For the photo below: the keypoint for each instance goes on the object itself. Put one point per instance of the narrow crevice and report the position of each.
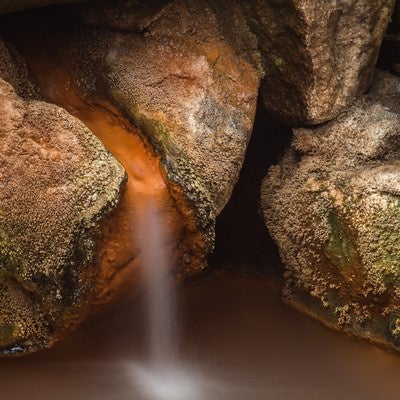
(242, 240)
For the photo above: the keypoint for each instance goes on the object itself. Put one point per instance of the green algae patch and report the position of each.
(10, 259)
(341, 250)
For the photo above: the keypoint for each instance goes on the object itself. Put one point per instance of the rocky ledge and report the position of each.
(332, 204)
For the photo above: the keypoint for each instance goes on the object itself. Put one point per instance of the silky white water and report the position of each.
(162, 377)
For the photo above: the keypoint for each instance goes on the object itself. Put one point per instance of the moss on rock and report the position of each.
(57, 182)
(187, 73)
(332, 205)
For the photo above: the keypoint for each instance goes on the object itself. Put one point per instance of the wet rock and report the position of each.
(189, 79)
(317, 56)
(57, 182)
(183, 76)
(332, 204)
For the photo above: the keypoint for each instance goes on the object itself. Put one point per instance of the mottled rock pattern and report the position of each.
(317, 55)
(333, 206)
(57, 181)
(189, 80)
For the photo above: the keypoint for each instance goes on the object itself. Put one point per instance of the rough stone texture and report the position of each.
(57, 181)
(187, 74)
(14, 71)
(9, 6)
(317, 55)
(333, 206)
(189, 80)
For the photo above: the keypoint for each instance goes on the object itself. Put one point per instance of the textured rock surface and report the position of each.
(57, 181)
(317, 55)
(333, 206)
(189, 80)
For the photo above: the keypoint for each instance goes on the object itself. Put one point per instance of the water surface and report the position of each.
(238, 339)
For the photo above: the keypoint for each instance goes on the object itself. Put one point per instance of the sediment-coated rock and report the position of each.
(187, 76)
(333, 206)
(317, 55)
(57, 182)
(189, 79)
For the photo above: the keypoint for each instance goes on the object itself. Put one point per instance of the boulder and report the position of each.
(57, 183)
(188, 75)
(317, 55)
(174, 96)
(333, 204)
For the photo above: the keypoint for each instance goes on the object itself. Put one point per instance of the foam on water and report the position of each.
(172, 383)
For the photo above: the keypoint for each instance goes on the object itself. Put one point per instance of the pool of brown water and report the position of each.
(237, 337)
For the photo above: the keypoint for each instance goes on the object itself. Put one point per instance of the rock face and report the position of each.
(187, 75)
(333, 206)
(317, 55)
(57, 181)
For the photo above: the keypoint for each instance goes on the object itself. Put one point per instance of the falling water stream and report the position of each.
(162, 376)
(160, 299)
(146, 222)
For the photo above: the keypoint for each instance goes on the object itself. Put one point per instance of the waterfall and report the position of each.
(160, 299)
(162, 377)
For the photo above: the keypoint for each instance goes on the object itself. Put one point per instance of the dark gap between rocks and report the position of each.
(242, 239)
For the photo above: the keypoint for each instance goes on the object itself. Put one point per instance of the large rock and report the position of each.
(189, 79)
(333, 206)
(57, 181)
(317, 55)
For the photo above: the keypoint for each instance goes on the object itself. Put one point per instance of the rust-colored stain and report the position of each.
(117, 257)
